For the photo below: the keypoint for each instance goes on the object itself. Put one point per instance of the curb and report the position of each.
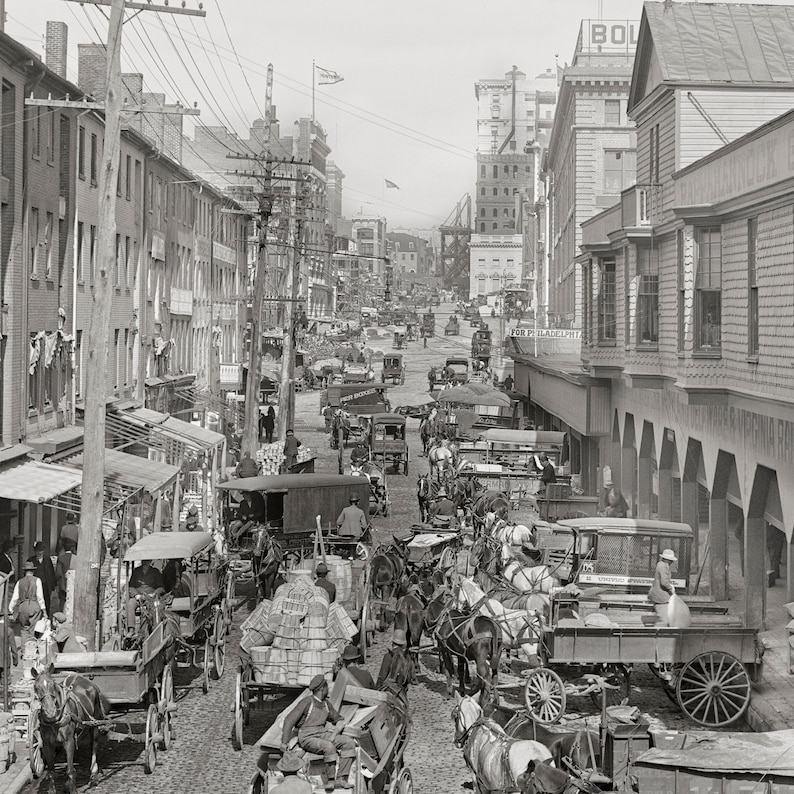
(19, 781)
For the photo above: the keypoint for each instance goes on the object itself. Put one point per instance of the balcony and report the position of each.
(641, 208)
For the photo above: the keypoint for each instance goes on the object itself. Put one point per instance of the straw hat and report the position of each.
(290, 762)
(29, 566)
(669, 555)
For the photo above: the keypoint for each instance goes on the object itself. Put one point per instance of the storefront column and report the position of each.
(665, 494)
(644, 490)
(755, 580)
(718, 549)
(689, 515)
(627, 481)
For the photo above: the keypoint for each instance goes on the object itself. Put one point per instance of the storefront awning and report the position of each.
(32, 481)
(131, 472)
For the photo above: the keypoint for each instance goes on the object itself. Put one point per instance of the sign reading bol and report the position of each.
(602, 35)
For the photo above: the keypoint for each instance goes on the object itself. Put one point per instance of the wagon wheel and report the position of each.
(405, 465)
(666, 673)
(231, 594)
(617, 675)
(362, 552)
(544, 696)
(237, 727)
(150, 752)
(403, 783)
(205, 679)
(363, 635)
(713, 689)
(35, 744)
(245, 679)
(166, 701)
(219, 645)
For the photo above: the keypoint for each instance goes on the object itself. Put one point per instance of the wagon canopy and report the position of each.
(169, 546)
(284, 482)
(524, 438)
(388, 419)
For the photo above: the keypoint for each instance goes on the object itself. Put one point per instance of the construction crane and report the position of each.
(456, 234)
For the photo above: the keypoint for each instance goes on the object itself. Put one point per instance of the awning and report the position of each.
(32, 481)
(131, 472)
(169, 546)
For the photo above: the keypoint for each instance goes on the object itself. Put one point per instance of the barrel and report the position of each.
(341, 574)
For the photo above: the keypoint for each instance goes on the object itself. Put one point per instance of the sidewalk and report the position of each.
(18, 774)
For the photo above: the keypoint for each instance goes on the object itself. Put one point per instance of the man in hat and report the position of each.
(396, 669)
(319, 727)
(66, 563)
(322, 581)
(352, 654)
(7, 563)
(45, 570)
(27, 601)
(443, 509)
(546, 469)
(662, 588)
(146, 580)
(63, 634)
(290, 764)
(247, 467)
(291, 445)
(69, 531)
(250, 511)
(352, 523)
(192, 520)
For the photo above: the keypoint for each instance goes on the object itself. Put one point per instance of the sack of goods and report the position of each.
(297, 635)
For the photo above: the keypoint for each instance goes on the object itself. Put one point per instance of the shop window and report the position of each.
(752, 288)
(708, 291)
(647, 297)
(607, 302)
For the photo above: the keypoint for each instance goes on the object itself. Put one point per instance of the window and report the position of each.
(648, 297)
(126, 256)
(92, 253)
(124, 356)
(35, 118)
(496, 191)
(515, 172)
(81, 152)
(708, 290)
(48, 245)
(118, 179)
(619, 170)
(50, 137)
(80, 252)
(482, 191)
(507, 170)
(34, 374)
(496, 172)
(117, 359)
(752, 288)
(506, 191)
(494, 226)
(117, 277)
(681, 290)
(607, 306)
(128, 177)
(654, 156)
(482, 212)
(93, 158)
(482, 172)
(78, 360)
(482, 228)
(495, 212)
(612, 112)
(33, 242)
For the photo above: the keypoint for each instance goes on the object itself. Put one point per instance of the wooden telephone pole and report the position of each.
(92, 504)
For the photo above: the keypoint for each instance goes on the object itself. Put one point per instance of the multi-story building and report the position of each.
(591, 156)
(410, 255)
(369, 233)
(687, 285)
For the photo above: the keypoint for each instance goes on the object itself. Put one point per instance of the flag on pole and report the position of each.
(327, 77)
(389, 183)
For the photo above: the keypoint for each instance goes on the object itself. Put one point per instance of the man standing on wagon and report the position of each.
(662, 588)
(352, 523)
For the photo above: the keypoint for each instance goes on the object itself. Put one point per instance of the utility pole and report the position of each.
(93, 491)
(251, 426)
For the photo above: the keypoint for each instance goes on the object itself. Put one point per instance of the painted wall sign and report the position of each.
(546, 333)
(605, 35)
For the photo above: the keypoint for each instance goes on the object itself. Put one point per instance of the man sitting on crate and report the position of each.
(146, 581)
(319, 727)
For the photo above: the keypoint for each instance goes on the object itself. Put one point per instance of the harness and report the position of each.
(499, 738)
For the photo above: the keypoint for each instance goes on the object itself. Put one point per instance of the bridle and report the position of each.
(56, 693)
(461, 740)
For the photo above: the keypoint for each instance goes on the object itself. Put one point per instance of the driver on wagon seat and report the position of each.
(146, 580)
(443, 508)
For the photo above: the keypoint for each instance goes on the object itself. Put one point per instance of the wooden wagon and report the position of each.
(452, 328)
(387, 442)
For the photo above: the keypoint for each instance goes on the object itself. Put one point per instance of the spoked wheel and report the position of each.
(362, 552)
(219, 644)
(362, 630)
(403, 783)
(205, 680)
(617, 675)
(231, 594)
(713, 689)
(152, 740)
(666, 675)
(35, 744)
(544, 696)
(237, 727)
(166, 706)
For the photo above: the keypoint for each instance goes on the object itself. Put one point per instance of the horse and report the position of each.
(527, 579)
(268, 556)
(466, 638)
(513, 534)
(409, 616)
(386, 570)
(340, 428)
(489, 501)
(424, 495)
(496, 759)
(65, 708)
(441, 460)
(577, 750)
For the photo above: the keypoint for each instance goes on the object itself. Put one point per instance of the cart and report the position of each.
(387, 442)
(393, 369)
(398, 342)
(707, 670)
(379, 502)
(429, 324)
(381, 726)
(452, 328)
(427, 548)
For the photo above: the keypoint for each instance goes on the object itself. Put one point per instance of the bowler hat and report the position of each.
(317, 682)
(669, 555)
(290, 762)
(350, 653)
(39, 546)
(353, 497)
(321, 568)
(29, 566)
(398, 638)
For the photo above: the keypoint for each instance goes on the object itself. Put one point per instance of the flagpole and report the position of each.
(314, 69)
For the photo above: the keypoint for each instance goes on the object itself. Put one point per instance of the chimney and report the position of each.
(55, 46)
(92, 70)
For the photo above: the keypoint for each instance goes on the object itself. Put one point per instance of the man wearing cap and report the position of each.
(27, 601)
(352, 523)
(443, 508)
(321, 581)
(352, 654)
(63, 634)
(45, 570)
(396, 669)
(662, 588)
(319, 727)
(146, 580)
(192, 520)
(290, 764)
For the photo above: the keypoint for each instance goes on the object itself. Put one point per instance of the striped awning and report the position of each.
(36, 482)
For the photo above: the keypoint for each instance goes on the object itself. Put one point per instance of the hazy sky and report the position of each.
(405, 110)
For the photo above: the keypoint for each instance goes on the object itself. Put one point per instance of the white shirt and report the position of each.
(39, 596)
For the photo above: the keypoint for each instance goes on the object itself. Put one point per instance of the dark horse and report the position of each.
(268, 556)
(340, 428)
(409, 616)
(489, 502)
(467, 638)
(386, 572)
(65, 708)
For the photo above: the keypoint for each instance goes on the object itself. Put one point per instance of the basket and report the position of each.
(256, 637)
(258, 618)
(340, 624)
(261, 655)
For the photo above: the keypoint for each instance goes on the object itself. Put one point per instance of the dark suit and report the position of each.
(45, 570)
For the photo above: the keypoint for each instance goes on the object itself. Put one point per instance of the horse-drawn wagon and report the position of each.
(429, 325)
(452, 328)
(393, 369)
(387, 442)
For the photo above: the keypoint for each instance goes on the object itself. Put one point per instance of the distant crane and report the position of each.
(456, 234)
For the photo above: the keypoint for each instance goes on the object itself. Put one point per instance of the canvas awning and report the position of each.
(38, 483)
(169, 546)
(131, 472)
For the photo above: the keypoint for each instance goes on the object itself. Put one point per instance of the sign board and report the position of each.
(546, 333)
(231, 376)
(608, 35)
(181, 301)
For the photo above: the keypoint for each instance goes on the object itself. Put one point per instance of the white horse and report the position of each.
(496, 759)
(441, 459)
(527, 579)
(517, 535)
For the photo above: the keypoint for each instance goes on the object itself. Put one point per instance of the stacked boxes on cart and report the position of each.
(270, 457)
(297, 635)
